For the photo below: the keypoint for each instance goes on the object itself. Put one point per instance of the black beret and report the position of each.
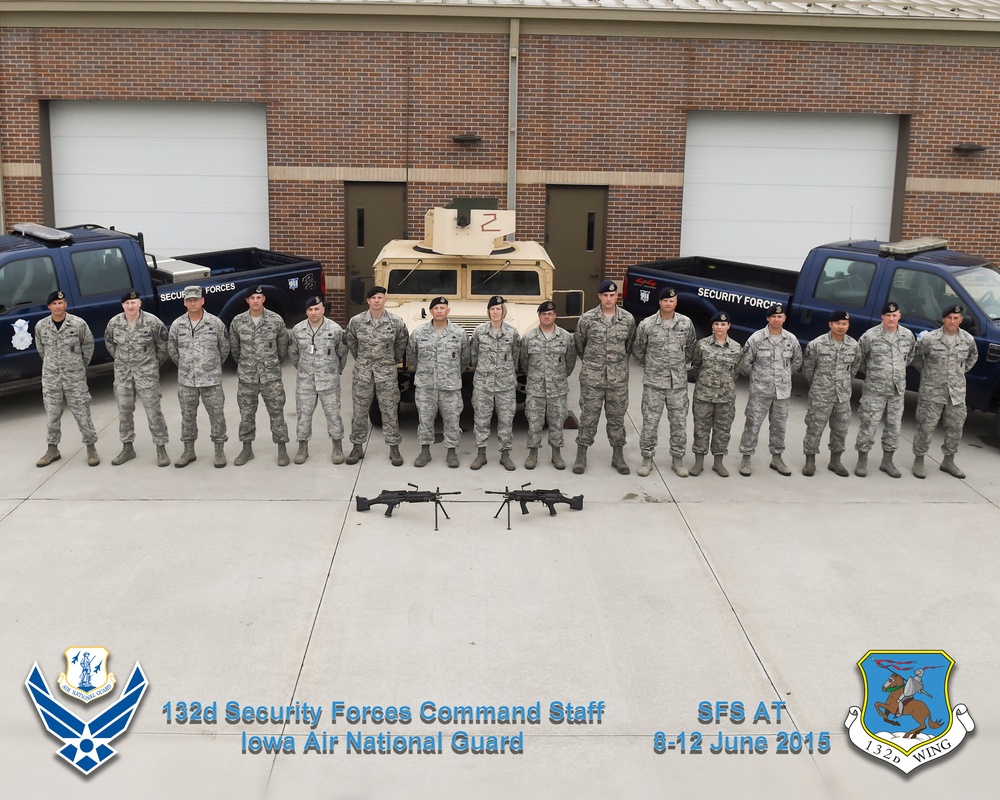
(438, 301)
(315, 300)
(777, 308)
(722, 316)
(546, 305)
(956, 309)
(374, 291)
(58, 294)
(667, 292)
(259, 289)
(132, 294)
(840, 316)
(890, 308)
(496, 300)
(607, 286)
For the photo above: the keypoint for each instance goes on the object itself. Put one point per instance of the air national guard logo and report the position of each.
(86, 677)
(644, 295)
(907, 719)
(86, 743)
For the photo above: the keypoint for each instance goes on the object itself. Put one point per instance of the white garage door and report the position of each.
(190, 176)
(767, 188)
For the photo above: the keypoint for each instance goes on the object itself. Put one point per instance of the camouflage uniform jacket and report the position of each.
(604, 348)
(258, 349)
(884, 360)
(138, 351)
(716, 367)
(548, 362)
(439, 357)
(198, 350)
(943, 367)
(376, 348)
(65, 351)
(830, 367)
(494, 357)
(320, 355)
(665, 348)
(770, 364)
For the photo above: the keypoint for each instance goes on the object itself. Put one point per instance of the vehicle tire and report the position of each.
(996, 423)
(375, 414)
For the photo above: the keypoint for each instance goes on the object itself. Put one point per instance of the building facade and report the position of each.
(533, 103)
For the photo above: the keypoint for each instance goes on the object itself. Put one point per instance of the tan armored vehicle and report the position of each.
(465, 256)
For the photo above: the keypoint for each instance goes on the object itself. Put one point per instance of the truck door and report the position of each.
(25, 284)
(840, 284)
(102, 276)
(376, 214)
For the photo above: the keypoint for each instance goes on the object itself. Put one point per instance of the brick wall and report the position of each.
(394, 99)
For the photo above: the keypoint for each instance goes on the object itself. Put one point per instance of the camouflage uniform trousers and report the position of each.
(273, 393)
(870, 412)
(837, 413)
(614, 400)
(483, 404)
(653, 401)
(215, 404)
(429, 402)
(362, 395)
(540, 409)
(758, 407)
(126, 393)
(929, 414)
(713, 420)
(75, 396)
(305, 405)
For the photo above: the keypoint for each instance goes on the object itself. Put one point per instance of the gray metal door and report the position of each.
(575, 218)
(376, 214)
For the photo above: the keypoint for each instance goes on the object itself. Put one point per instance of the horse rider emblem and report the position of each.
(907, 719)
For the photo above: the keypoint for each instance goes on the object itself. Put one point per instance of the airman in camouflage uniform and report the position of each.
(377, 340)
(258, 341)
(943, 357)
(547, 355)
(886, 350)
(664, 345)
(604, 337)
(716, 363)
(65, 345)
(317, 349)
(770, 356)
(494, 349)
(198, 344)
(830, 364)
(439, 352)
(137, 341)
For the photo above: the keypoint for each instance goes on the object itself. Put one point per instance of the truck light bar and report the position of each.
(43, 233)
(913, 246)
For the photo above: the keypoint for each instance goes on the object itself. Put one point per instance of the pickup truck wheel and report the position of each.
(375, 414)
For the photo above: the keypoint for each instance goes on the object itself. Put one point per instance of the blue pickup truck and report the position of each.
(94, 266)
(922, 275)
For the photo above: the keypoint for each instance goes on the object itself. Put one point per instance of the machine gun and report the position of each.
(391, 499)
(524, 495)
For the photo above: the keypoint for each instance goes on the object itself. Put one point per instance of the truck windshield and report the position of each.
(428, 282)
(983, 285)
(503, 282)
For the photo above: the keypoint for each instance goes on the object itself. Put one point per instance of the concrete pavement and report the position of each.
(264, 586)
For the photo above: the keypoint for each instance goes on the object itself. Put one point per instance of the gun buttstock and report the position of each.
(576, 503)
(363, 503)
